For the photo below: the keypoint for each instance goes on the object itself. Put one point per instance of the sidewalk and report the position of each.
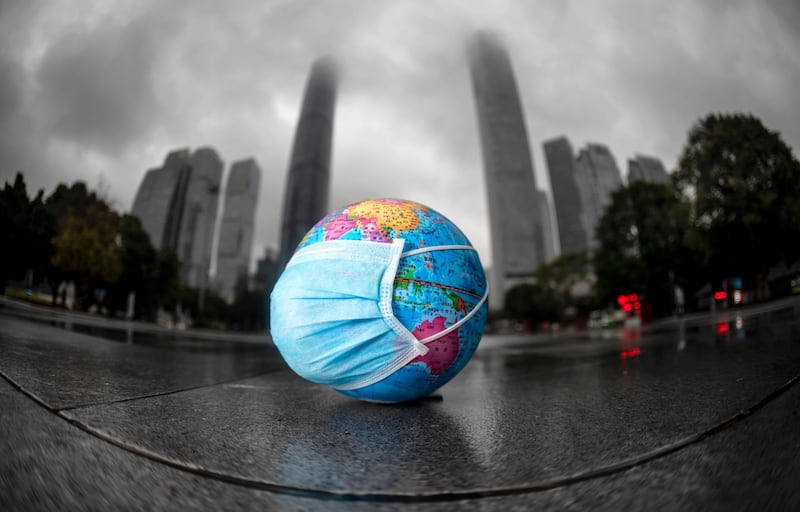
(711, 423)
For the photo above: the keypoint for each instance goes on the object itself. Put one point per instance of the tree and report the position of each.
(168, 284)
(566, 273)
(139, 270)
(25, 231)
(744, 183)
(63, 203)
(643, 245)
(87, 250)
(571, 278)
(248, 308)
(534, 303)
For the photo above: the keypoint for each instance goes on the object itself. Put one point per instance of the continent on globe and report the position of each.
(339, 226)
(388, 213)
(441, 352)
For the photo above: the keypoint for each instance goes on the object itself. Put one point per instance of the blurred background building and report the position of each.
(598, 168)
(177, 205)
(305, 199)
(196, 230)
(236, 228)
(582, 187)
(514, 212)
(569, 195)
(178, 202)
(646, 168)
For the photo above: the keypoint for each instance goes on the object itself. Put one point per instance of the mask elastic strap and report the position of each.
(437, 248)
(459, 323)
(474, 310)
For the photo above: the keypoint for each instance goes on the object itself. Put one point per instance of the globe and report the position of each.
(432, 290)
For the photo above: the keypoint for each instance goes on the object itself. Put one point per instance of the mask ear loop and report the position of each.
(474, 310)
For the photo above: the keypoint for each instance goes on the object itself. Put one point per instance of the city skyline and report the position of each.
(181, 207)
(97, 93)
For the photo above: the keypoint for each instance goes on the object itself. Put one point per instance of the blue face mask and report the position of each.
(332, 318)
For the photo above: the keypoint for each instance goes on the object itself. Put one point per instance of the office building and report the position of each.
(177, 205)
(570, 192)
(236, 227)
(305, 199)
(159, 196)
(547, 226)
(601, 174)
(646, 168)
(196, 232)
(514, 212)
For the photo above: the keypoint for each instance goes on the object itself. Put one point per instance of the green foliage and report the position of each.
(565, 273)
(745, 186)
(86, 246)
(74, 235)
(534, 303)
(84, 241)
(643, 249)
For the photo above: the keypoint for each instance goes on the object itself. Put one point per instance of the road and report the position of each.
(697, 413)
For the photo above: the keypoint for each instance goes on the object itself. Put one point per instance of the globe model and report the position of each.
(432, 290)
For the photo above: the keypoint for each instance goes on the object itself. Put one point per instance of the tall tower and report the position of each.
(602, 176)
(516, 233)
(568, 196)
(236, 228)
(305, 199)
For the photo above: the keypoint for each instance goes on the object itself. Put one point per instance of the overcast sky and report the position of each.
(101, 90)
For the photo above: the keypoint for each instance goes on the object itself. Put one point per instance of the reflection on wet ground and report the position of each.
(527, 413)
(169, 339)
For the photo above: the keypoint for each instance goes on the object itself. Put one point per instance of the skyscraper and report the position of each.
(179, 165)
(159, 195)
(547, 226)
(646, 168)
(236, 228)
(305, 199)
(199, 216)
(178, 207)
(516, 233)
(600, 171)
(568, 196)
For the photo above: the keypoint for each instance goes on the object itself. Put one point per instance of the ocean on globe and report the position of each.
(432, 290)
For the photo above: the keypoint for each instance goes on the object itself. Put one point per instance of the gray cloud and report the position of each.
(95, 86)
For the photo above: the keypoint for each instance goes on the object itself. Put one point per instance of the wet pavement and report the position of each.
(697, 413)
